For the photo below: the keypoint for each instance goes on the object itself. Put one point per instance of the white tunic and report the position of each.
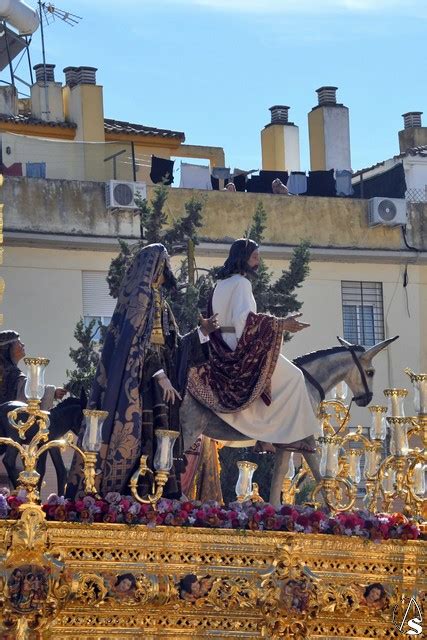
(290, 416)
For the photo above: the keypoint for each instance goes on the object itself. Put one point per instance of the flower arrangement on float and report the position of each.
(255, 516)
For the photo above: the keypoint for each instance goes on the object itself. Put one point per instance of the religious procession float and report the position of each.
(135, 566)
(102, 562)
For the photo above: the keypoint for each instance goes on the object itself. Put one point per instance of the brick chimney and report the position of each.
(329, 132)
(46, 95)
(413, 133)
(280, 142)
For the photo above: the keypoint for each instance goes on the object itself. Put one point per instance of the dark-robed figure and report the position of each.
(141, 372)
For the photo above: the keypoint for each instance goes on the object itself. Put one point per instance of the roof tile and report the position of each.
(120, 126)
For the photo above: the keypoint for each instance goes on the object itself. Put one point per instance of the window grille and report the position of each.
(363, 312)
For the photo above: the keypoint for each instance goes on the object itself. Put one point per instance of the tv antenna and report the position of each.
(48, 13)
(51, 12)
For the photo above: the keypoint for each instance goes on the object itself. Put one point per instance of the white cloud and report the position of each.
(304, 6)
(386, 8)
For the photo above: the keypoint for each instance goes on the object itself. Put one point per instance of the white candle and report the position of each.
(291, 467)
(420, 389)
(419, 479)
(35, 385)
(340, 391)
(388, 481)
(378, 430)
(332, 460)
(399, 439)
(93, 429)
(354, 465)
(371, 462)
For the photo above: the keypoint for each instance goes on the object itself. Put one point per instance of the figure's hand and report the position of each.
(208, 325)
(294, 325)
(169, 392)
(59, 393)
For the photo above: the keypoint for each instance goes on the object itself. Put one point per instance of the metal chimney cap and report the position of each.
(70, 76)
(44, 72)
(412, 119)
(86, 75)
(326, 89)
(327, 95)
(279, 114)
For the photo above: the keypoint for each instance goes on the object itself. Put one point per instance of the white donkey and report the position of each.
(322, 370)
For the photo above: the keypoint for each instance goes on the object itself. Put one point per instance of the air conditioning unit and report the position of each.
(387, 211)
(121, 195)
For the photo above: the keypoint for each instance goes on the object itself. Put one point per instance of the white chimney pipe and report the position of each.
(19, 15)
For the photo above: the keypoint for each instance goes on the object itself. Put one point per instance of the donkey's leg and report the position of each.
(61, 472)
(193, 420)
(281, 463)
(41, 468)
(312, 459)
(9, 461)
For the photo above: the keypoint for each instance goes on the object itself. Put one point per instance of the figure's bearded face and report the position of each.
(253, 261)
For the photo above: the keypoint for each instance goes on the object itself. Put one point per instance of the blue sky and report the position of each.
(212, 68)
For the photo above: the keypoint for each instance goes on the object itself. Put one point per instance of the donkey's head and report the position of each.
(68, 415)
(360, 376)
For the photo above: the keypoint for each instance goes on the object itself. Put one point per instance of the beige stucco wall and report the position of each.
(78, 208)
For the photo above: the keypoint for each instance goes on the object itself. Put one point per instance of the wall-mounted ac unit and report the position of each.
(387, 211)
(121, 195)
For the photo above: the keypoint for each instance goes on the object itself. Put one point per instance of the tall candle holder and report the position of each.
(244, 485)
(30, 415)
(162, 463)
(396, 402)
(398, 476)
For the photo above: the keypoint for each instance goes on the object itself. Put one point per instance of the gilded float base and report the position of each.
(115, 581)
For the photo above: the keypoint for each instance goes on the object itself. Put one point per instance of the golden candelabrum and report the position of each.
(32, 423)
(401, 475)
(394, 471)
(162, 463)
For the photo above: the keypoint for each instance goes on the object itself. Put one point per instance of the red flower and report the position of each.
(253, 524)
(316, 516)
(85, 515)
(288, 523)
(14, 502)
(303, 521)
(272, 523)
(101, 504)
(109, 517)
(60, 513)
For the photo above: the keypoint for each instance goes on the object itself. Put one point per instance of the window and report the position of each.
(36, 170)
(97, 302)
(363, 312)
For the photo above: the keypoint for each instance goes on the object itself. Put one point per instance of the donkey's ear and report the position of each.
(372, 352)
(83, 398)
(343, 342)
